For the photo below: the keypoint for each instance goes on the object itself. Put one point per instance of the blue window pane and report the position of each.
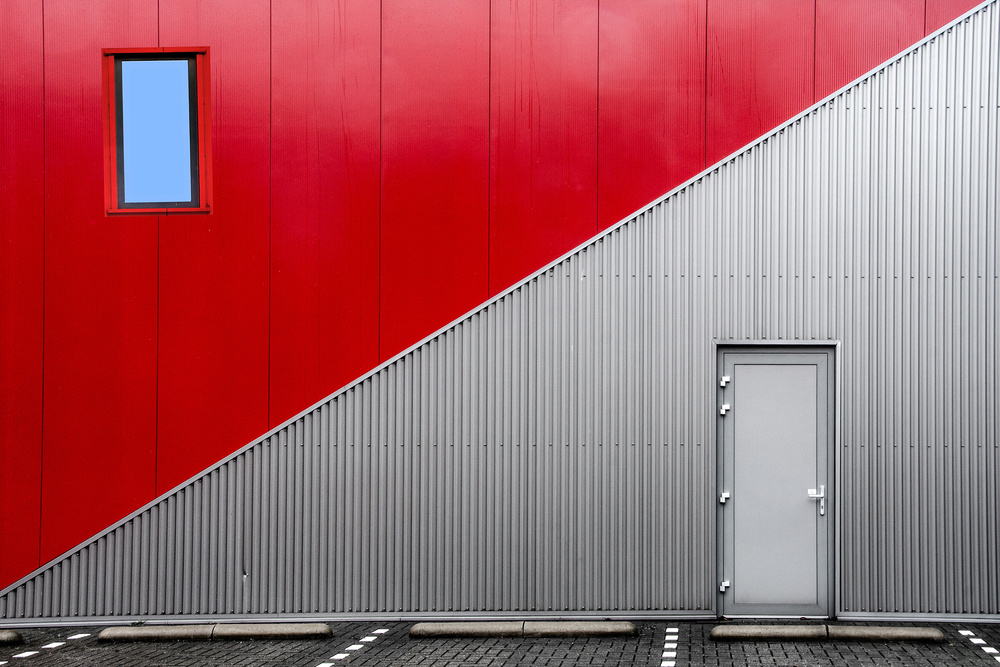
(156, 131)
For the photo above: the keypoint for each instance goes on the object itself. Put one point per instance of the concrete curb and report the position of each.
(156, 633)
(756, 632)
(470, 629)
(863, 633)
(524, 629)
(885, 634)
(10, 637)
(579, 628)
(165, 633)
(272, 631)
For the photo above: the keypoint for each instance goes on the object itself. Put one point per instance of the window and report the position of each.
(157, 131)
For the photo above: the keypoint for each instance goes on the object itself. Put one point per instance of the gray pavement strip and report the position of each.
(153, 633)
(822, 632)
(10, 637)
(524, 629)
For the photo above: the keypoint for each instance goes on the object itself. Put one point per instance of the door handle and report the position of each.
(821, 497)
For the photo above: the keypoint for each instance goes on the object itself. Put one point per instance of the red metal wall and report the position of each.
(213, 335)
(324, 273)
(543, 133)
(435, 165)
(380, 168)
(99, 292)
(852, 36)
(760, 69)
(22, 243)
(652, 101)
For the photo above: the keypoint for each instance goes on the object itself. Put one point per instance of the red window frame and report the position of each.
(112, 128)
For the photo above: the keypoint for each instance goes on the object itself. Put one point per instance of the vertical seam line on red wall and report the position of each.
(597, 133)
(41, 450)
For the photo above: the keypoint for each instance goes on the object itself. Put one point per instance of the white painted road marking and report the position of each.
(355, 647)
(981, 643)
(26, 654)
(54, 645)
(670, 644)
(79, 636)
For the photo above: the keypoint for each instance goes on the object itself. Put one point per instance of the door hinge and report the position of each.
(725, 408)
(724, 497)
(723, 586)
(725, 380)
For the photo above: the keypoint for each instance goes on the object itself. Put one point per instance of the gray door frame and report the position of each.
(832, 350)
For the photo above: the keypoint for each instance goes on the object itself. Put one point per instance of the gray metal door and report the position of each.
(776, 437)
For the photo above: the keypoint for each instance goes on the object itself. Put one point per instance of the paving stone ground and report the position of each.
(957, 650)
(394, 648)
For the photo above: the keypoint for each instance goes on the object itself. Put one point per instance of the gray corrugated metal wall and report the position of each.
(553, 451)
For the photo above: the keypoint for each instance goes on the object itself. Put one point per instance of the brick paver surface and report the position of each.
(395, 648)
(956, 651)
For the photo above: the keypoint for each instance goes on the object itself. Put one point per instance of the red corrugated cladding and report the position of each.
(543, 134)
(853, 36)
(324, 199)
(379, 168)
(940, 12)
(435, 165)
(213, 300)
(760, 69)
(652, 118)
(21, 274)
(100, 291)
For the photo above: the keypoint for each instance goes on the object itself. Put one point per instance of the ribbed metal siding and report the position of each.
(302, 524)
(554, 450)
